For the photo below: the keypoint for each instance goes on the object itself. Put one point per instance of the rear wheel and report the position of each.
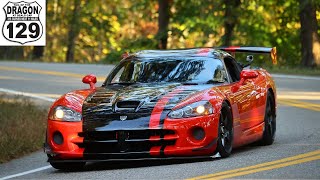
(225, 136)
(269, 121)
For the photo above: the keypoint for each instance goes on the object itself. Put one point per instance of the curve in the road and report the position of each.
(292, 96)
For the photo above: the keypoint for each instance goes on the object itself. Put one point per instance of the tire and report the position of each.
(68, 166)
(225, 131)
(269, 121)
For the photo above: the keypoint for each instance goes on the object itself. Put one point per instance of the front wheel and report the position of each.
(225, 136)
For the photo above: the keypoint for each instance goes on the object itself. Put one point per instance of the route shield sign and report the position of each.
(23, 23)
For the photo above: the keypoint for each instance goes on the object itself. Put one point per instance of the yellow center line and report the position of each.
(311, 156)
(291, 163)
(54, 73)
(295, 93)
(300, 104)
(299, 97)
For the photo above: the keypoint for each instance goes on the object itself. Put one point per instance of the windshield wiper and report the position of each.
(122, 83)
(189, 83)
(214, 82)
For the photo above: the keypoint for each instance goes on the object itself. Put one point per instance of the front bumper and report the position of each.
(177, 138)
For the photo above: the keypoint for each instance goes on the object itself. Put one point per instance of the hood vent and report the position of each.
(128, 104)
(101, 97)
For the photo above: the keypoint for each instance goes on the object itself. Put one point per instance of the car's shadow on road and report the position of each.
(141, 163)
(129, 164)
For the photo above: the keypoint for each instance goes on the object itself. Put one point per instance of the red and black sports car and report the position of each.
(158, 104)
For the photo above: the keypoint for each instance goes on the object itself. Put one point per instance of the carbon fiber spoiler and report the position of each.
(261, 50)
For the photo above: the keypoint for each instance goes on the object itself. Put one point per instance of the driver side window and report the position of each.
(220, 75)
(116, 78)
(233, 69)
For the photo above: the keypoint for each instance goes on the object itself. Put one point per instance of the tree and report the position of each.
(309, 37)
(9, 52)
(73, 31)
(163, 23)
(230, 20)
(37, 52)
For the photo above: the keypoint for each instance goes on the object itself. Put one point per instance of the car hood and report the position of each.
(134, 106)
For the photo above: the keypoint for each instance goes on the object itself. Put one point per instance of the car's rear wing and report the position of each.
(234, 49)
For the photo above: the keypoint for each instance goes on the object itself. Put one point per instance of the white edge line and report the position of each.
(25, 173)
(27, 94)
(52, 100)
(36, 97)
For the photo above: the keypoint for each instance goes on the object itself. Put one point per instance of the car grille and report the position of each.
(125, 141)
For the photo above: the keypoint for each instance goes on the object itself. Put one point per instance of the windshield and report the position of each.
(182, 70)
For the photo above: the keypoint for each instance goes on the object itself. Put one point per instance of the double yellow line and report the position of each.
(53, 73)
(302, 158)
(300, 104)
(311, 156)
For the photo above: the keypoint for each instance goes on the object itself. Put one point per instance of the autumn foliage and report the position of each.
(100, 31)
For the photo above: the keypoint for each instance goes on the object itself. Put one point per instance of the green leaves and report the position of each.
(108, 28)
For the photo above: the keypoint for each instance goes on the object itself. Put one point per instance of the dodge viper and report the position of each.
(164, 104)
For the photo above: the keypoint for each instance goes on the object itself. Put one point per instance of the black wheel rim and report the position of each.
(270, 119)
(225, 131)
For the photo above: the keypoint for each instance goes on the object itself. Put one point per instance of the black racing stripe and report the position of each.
(163, 116)
(165, 112)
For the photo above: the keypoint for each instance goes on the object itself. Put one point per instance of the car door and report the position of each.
(257, 101)
(242, 95)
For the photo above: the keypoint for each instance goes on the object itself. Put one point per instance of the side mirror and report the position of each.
(247, 74)
(249, 59)
(91, 80)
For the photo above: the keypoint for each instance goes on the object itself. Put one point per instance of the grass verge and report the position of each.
(22, 127)
(294, 71)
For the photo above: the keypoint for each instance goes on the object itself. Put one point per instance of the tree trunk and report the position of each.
(11, 53)
(163, 22)
(310, 41)
(73, 31)
(230, 20)
(37, 52)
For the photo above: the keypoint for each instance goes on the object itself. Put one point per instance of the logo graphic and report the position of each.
(122, 118)
(22, 22)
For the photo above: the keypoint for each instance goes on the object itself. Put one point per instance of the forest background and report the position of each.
(96, 31)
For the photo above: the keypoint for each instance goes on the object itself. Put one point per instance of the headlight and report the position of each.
(195, 109)
(61, 113)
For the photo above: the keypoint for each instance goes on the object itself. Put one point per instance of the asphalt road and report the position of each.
(294, 155)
